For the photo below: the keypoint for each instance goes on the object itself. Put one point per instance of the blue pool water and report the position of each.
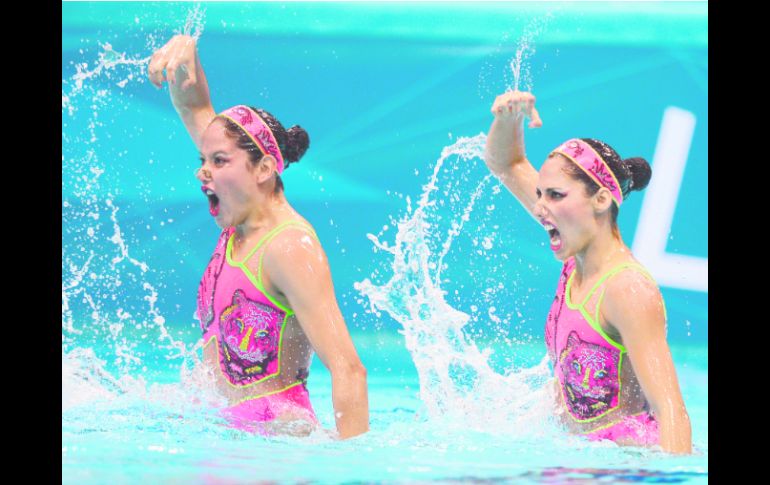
(394, 97)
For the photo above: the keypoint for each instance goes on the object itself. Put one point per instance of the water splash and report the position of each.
(194, 24)
(525, 50)
(111, 64)
(107, 60)
(456, 379)
(110, 303)
(518, 75)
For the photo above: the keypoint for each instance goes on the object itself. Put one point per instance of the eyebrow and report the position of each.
(218, 152)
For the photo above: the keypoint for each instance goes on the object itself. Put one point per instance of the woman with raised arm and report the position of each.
(606, 329)
(266, 300)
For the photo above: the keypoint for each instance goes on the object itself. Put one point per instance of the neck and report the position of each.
(602, 252)
(269, 211)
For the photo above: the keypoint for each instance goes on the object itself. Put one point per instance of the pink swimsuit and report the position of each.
(247, 324)
(588, 363)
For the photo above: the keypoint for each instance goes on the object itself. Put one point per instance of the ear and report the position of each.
(265, 168)
(602, 200)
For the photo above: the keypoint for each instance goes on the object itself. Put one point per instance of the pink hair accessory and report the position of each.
(585, 157)
(257, 129)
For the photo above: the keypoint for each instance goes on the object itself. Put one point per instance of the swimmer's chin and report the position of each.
(562, 255)
(222, 223)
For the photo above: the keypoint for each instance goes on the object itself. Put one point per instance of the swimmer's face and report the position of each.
(564, 209)
(226, 176)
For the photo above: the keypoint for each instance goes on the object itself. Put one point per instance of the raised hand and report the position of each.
(514, 106)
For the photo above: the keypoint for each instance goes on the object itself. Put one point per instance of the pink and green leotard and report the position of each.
(588, 365)
(247, 326)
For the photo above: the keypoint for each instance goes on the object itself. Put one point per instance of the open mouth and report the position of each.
(553, 235)
(213, 201)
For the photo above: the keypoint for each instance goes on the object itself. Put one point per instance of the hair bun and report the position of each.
(297, 143)
(641, 172)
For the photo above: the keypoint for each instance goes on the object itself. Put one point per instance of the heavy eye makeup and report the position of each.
(218, 159)
(551, 194)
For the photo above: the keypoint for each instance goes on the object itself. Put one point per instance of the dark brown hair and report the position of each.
(632, 174)
(293, 142)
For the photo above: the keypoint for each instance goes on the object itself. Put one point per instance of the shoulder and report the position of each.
(632, 283)
(297, 265)
(632, 296)
(295, 238)
(295, 247)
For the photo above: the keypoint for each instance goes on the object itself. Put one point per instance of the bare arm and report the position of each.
(187, 83)
(505, 155)
(642, 325)
(299, 268)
